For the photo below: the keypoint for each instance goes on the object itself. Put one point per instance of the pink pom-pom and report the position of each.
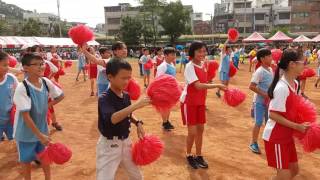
(67, 64)
(311, 139)
(147, 150)
(80, 34)
(233, 97)
(44, 157)
(12, 114)
(133, 89)
(12, 61)
(164, 92)
(233, 35)
(148, 65)
(212, 69)
(307, 73)
(232, 70)
(59, 153)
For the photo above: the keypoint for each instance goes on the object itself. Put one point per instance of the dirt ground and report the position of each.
(226, 139)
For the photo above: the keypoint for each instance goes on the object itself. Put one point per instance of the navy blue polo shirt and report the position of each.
(107, 105)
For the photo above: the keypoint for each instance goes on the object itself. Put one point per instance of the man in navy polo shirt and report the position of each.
(115, 117)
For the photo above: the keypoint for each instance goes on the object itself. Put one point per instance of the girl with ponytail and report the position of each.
(279, 144)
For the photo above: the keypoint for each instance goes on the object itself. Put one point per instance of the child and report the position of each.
(252, 54)
(56, 60)
(167, 67)
(183, 60)
(158, 59)
(318, 72)
(81, 64)
(31, 100)
(115, 116)
(92, 71)
(279, 143)
(224, 67)
(8, 83)
(260, 82)
(146, 72)
(102, 80)
(193, 99)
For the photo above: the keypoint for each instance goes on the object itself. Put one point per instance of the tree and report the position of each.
(152, 9)
(175, 20)
(283, 29)
(31, 28)
(3, 27)
(130, 30)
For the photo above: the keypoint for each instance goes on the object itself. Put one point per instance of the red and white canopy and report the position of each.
(255, 37)
(18, 42)
(302, 38)
(316, 39)
(280, 36)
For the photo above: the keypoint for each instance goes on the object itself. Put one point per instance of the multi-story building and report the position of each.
(251, 15)
(113, 15)
(305, 15)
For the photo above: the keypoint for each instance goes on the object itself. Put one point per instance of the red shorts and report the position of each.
(93, 72)
(193, 115)
(280, 156)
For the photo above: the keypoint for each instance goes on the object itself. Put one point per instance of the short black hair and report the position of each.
(169, 50)
(117, 45)
(263, 53)
(3, 56)
(145, 49)
(27, 58)
(103, 50)
(34, 48)
(115, 65)
(158, 49)
(195, 46)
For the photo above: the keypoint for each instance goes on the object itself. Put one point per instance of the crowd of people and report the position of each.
(274, 79)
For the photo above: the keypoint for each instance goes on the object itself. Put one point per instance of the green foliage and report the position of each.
(175, 20)
(130, 30)
(31, 28)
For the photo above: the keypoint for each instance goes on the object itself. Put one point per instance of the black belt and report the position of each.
(117, 137)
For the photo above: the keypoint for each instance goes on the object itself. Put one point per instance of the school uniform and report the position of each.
(224, 67)
(279, 143)
(262, 78)
(192, 100)
(114, 144)
(157, 61)
(144, 59)
(7, 87)
(166, 68)
(36, 103)
(102, 80)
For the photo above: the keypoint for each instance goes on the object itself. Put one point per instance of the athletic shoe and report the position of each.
(201, 162)
(255, 148)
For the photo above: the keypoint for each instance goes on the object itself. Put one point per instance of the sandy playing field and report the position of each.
(226, 139)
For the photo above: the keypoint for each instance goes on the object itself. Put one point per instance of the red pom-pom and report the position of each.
(67, 64)
(233, 96)
(80, 34)
(61, 72)
(12, 114)
(232, 70)
(305, 110)
(233, 35)
(311, 139)
(59, 153)
(148, 65)
(307, 73)
(44, 157)
(164, 92)
(212, 69)
(133, 89)
(147, 150)
(12, 61)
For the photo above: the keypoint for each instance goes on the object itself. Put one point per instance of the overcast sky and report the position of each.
(91, 11)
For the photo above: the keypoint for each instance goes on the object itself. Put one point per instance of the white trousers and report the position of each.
(110, 153)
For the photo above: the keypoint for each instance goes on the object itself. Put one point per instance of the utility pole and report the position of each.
(59, 24)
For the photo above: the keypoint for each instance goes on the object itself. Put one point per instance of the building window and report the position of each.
(113, 20)
(284, 15)
(259, 16)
